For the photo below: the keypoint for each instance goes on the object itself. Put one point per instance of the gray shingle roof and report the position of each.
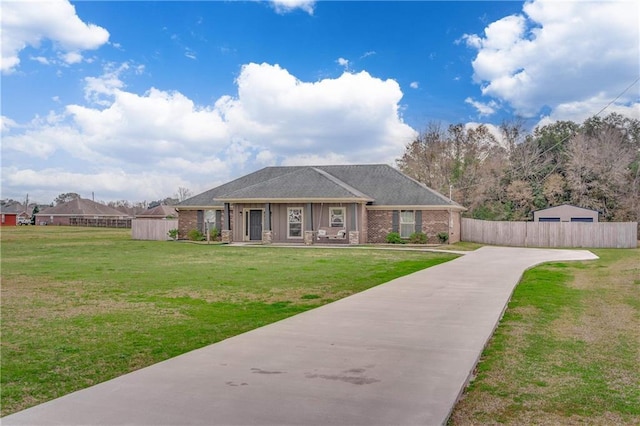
(388, 186)
(209, 198)
(81, 207)
(380, 184)
(159, 211)
(299, 183)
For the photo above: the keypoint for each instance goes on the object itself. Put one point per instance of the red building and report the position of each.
(9, 219)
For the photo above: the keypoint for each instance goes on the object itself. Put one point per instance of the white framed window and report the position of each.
(294, 222)
(336, 217)
(407, 223)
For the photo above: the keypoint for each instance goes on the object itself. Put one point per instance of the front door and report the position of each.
(255, 225)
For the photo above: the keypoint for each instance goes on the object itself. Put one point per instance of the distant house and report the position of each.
(566, 213)
(350, 204)
(81, 211)
(13, 213)
(158, 212)
(8, 217)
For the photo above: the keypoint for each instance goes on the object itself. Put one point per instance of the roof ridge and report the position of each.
(436, 193)
(293, 170)
(342, 184)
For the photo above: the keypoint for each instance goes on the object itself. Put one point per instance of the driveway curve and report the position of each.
(397, 354)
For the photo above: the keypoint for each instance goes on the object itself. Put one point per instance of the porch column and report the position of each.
(354, 232)
(353, 224)
(308, 216)
(227, 217)
(267, 216)
(308, 224)
(226, 231)
(267, 235)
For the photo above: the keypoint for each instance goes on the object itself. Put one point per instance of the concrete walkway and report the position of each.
(397, 354)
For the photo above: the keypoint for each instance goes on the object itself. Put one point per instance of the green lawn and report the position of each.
(83, 305)
(567, 350)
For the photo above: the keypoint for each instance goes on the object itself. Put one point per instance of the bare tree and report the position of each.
(598, 170)
(426, 159)
(183, 193)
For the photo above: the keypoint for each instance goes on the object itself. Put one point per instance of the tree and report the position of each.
(598, 171)
(35, 211)
(594, 165)
(183, 193)
(553, 189)
(427, 160)
(66, 197)
(521, 195)
(463, 159)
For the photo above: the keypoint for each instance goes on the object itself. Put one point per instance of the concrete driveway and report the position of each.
(397, 354)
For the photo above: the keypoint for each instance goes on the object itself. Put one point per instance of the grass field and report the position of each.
(83, 305)
(567, 351)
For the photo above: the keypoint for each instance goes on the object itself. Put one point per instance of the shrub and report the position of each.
(213, 234)
(195, 235)
(394, 238)
(443, 237)
(173, 234)
(418, 238)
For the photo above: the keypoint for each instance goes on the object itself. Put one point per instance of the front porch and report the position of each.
(295, 223)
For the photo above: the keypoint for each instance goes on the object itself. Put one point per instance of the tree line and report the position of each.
(595, 165)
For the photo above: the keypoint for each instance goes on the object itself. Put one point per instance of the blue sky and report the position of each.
(131, 100)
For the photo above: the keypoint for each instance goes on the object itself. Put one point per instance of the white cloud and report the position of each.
(560, 55)
(28, 22)
(71, 57)
(6, 123)
(343, 62)
(274, 118)
(315, 160)
(414, 85)
(488, 108)
(354, 113)
(40, 59)
(286, 6)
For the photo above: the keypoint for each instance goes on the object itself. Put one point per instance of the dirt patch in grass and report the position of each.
(274, 295)
(26, 300)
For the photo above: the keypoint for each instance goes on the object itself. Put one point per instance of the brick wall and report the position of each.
(378, 225)
(433, 222)
(187, 220)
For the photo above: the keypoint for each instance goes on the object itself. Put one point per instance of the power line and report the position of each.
(618, 97)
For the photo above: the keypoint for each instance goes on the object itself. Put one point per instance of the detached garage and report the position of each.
(566, 213)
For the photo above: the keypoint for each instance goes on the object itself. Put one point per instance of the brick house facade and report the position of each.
(350, 204)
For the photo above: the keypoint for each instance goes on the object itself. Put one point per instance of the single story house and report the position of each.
(79, 211)
(565, 213)
(349, 204)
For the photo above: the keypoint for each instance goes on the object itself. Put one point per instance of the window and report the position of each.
(294, 222)
(336, 217)
(549, 219)
(582, 219)
(407, 223)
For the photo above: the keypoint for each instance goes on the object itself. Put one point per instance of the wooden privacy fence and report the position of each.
(551, 234)
(152, 229)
